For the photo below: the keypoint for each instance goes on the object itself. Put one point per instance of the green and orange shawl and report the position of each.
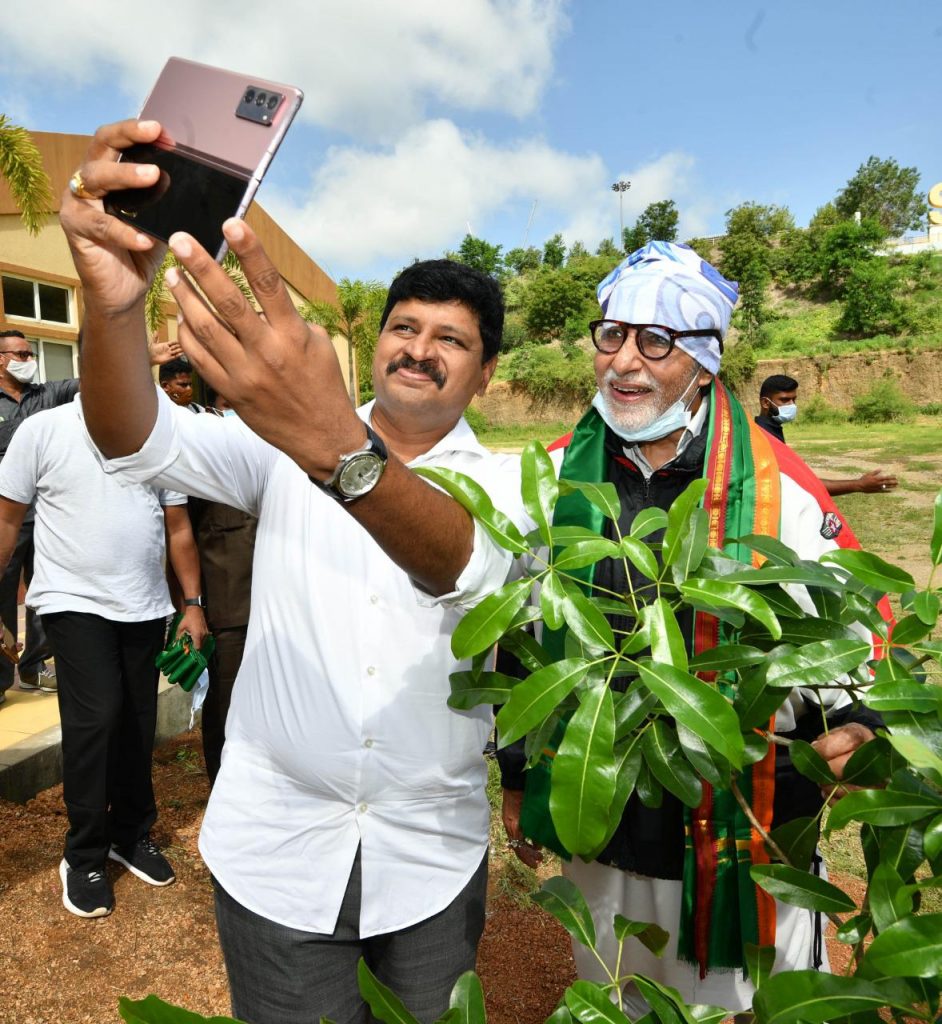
(722, 908)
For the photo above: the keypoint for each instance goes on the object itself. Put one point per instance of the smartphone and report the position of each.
(219, 132)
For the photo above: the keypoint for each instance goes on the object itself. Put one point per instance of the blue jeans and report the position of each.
(280, 975)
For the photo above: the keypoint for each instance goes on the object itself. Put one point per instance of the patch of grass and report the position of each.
(515, 438)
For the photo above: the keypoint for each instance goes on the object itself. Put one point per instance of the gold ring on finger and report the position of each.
(77, 187)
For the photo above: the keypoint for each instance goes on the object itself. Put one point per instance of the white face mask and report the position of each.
(25, 371)
(674, 417)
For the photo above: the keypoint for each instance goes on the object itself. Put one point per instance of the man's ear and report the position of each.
(487, 371)
(705, 378)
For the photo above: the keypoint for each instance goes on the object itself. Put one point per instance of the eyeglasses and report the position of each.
(654, 341)
(22, 354)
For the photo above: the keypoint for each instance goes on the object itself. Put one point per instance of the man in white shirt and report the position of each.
(349, 817)
(99, 587)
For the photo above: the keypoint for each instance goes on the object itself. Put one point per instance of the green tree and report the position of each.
(356, 319)
(577, 251)
(887, 192)
(554, 252)
(521, 260)
(609, 250)
(481, 255)
(658, 222)
(871, 303)
(552, 297)
(21, 166)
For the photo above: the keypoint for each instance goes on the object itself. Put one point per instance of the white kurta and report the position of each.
(339, 733)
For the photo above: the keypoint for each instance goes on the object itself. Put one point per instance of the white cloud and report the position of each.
(366, 66)
(369, 207)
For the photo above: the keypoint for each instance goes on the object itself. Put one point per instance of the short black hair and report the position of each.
(174, 368)
(12, 334)
(777, 382)
(450, 281)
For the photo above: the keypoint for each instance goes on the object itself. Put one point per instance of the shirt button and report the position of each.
(371, 670)
(374, 598)
(362, 808)
(368, 743)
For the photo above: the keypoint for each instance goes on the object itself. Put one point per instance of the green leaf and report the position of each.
(650, 791)
(707, 764)
(591, 1004)
(699, 706)
(810, 763)
(552, 600)
(935, 545)
(798, 840)
(904, 696)
(692, 547)
(560, 1015)
(533, 700)
(539, 487)
(668, 765)
(709, 594)
(917, 754)
(759, 962)
(806, 574)
(726, 658)
(559, 897)
(484, 624)
(872, 570)
(586, 552)
(469, 690)
(627, 766)
(584, 773)
(603, 496)
(585, 620)
(152, 1010)
(678, 519)
(651, 936)
(910, 629)
(667, 641)
(801, 889)
(526, 648)
(382, 1001)
(883, 807)
(563, 536)
(640, 556)
(809, 997)
(927, 605)
(631, 709)
(755, 701)
(854, 929)
(648, 521)
(472, 496)
(932, 838)
(772, 548)
(870, 764)
(468, 998)
(886, 898)
(911, 948)
(754, 748)
(818, 664)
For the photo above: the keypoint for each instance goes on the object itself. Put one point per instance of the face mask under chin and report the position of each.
(675, 416)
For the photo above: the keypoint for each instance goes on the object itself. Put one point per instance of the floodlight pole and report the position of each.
(621, 187)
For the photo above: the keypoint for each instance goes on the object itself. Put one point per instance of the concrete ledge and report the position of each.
(36, 764)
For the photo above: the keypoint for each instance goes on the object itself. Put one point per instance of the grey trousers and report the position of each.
(280, 975)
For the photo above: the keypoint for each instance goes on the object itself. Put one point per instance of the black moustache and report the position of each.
(426, 366)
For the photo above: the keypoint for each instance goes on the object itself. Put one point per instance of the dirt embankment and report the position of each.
(836, 378)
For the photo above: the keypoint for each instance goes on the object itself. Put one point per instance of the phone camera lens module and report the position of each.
(249, 96)
(260, 99)
(272, 102)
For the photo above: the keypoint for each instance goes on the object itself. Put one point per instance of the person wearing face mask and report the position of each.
(660, 421)
(778, 405)
(20, 397)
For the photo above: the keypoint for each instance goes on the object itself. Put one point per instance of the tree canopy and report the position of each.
(658, 222)
(883, 190)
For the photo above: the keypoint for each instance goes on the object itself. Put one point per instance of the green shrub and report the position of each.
(931, 409)
(871, 302)
(883, 403)
(817, 410)
(739, 364)
(546, 372)
(477, 421)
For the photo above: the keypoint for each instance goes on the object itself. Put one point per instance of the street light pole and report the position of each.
(621, 187)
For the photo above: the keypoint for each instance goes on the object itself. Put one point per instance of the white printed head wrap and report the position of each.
(669, 284)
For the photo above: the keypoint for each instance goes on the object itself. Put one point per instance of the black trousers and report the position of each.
(108, 708)
(223, 668)
(36, 649)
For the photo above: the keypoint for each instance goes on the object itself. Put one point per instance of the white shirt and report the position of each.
(339, 734)
(99, 541)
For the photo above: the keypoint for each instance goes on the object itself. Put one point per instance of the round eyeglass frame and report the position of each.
(639, 329)
(21, 354)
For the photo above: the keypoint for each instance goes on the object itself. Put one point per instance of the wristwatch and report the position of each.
(194, 602)
(358, 472)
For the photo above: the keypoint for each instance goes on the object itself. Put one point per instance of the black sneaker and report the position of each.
(85, 893)
(145, 860)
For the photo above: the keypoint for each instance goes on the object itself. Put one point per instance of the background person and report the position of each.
(778, 405)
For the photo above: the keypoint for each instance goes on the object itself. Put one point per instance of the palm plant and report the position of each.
(21, 167)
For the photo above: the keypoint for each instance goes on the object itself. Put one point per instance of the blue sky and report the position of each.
(425, 119)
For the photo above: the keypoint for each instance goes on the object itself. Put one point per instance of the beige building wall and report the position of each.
(46, 258)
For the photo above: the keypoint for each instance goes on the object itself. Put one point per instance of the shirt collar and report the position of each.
(460, 438)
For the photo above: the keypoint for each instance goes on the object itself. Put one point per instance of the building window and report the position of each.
(36, 300)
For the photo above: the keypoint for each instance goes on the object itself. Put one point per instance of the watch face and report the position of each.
(360, 475)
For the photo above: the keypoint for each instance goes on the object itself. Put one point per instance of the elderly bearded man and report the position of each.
(650, 432)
